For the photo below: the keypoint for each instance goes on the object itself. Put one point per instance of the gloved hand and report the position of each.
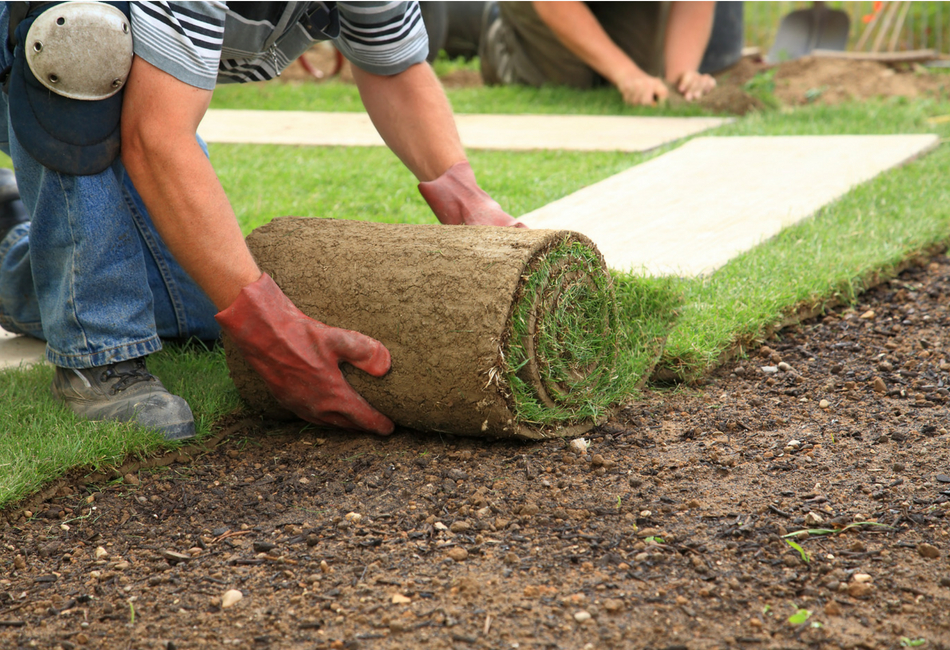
(299, 358)
(457, 200)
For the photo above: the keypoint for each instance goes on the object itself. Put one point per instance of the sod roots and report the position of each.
(493, 331)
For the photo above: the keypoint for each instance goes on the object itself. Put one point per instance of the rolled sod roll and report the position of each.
(496, 332)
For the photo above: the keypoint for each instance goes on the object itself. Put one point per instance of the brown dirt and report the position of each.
(804, 81)
(667, 533)
(449, 342)
(823, 81)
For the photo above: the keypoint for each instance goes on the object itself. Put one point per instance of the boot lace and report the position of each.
(129, 373)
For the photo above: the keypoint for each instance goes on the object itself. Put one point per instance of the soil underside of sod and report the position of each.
(667, 533)
(742, 87)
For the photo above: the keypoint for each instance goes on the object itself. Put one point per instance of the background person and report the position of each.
(638, 47)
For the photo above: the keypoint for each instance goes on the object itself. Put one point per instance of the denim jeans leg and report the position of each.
(182, 309)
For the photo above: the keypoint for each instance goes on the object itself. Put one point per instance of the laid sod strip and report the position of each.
(493, 331)
(831, 258)
(40, 440)
(501, 132)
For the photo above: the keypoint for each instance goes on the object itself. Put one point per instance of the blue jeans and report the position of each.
(89, 274)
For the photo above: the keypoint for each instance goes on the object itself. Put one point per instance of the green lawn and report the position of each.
(828, 257)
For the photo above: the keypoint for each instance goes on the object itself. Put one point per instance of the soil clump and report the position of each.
(667, 527)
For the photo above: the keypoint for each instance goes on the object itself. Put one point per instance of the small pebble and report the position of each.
(824, 404)
(784, 367)
(613, 605)
(813, 519)
(230, 598)
(131, 479)
(860, 589)
(399, 599)
(769, 370)
(582, 616)
(878, 385)
(101, 553)
(458, 553)
(580, 445)
(928, 551)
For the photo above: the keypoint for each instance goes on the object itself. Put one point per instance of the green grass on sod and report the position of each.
(871, 229)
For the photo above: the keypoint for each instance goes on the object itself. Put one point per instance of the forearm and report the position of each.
(580, 32)
(687, 35)
(183, 195)
(414, 118)
(192, 214)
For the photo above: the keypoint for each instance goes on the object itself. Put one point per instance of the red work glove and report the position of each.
(299, 358)
(457, 200)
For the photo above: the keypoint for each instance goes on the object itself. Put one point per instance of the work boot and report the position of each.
(12, 210)
(125, 391)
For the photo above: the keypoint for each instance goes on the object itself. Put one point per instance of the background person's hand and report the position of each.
(299, 358)
(457, 200)
(693, 85)
(640, 89)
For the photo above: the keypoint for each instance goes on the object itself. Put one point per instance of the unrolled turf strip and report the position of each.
(494, 332)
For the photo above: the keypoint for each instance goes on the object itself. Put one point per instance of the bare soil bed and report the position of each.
(668, 532)
(793, 83)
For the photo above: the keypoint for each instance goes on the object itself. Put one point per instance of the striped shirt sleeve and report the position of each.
(183, 39)
(382, 37)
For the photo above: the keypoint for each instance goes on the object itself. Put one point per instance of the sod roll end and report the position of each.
(493, 332)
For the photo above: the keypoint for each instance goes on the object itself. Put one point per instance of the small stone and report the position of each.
(460, 526)
(439, 526)
(399, 599)
(824, 404)
(81, 638)
(613, 605)
(324, 567)
(263, 546)
(945, 581)
(580, 445)
(769, 370)
(784, 367)
(832, 608)
(230, 598)
(511, 558)
(878, 385)
(597, 460)
(101, 553)
(928, 551)
(861, 578)
(860, 589)
(123, 565)
(131, 479)
(353, 517)
(19, 563)
(458, 553)
(694, 504)
(943, 478)
(868, 315)
(582, 616)
(813, 519)
(754, 622)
